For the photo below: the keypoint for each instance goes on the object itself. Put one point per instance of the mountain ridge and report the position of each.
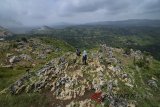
(122, 23)
(129, 22)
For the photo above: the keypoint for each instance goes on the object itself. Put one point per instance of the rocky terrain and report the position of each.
(27, 52)
(116, 75)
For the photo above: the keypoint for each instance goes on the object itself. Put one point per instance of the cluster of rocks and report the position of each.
(115, 66)
(31, 51)
(18, 86)
(136, 54)
(54, 77)
(45, 50)
(34, 46)
(115, 72)
(71, 88)
(85, 103)
(153, 83)
(14, 59)
(34, 81)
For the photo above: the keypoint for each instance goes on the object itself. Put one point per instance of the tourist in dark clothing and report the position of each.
(78, 52)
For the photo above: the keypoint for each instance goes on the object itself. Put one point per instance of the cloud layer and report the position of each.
(48, 12)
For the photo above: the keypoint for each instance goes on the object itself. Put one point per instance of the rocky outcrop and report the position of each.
(68, 79)
(25, 57)
(14, 59)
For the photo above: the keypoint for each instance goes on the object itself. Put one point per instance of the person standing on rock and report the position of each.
(84, 58)
(78, 52)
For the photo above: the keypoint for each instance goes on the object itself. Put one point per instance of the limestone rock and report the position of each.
(14, 59)
(25, 57)
(20, 89)
(152, 83)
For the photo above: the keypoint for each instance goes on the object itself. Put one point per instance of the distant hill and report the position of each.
(42, 30)
(130, 22)
(63, 25)
(4, 32)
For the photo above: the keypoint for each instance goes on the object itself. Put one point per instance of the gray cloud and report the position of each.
(44, 12)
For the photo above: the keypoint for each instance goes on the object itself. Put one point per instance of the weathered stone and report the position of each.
(30, 87)
(4, 91)
(20, 89)
(48, 51)
(19, 83)
(25, 57)
(124, 76)
(12, 89)
(42, 56)
(14, 59)
(152, 83)
(130, 85)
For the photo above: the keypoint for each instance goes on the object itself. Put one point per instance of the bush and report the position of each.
(24, 39)
(127, 51)
(14, 45)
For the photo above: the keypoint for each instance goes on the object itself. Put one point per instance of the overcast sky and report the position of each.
(49, 12)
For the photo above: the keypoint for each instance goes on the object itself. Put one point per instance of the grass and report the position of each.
(8, 76)
(25, 100)
(57, 43)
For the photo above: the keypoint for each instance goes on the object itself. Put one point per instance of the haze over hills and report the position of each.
(123, 23)
(42, 30)
(130, 22)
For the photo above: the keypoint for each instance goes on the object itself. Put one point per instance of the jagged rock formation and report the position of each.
(68, 79)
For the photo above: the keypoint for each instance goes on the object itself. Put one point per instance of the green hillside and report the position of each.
(35, 52)
(89, 36)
